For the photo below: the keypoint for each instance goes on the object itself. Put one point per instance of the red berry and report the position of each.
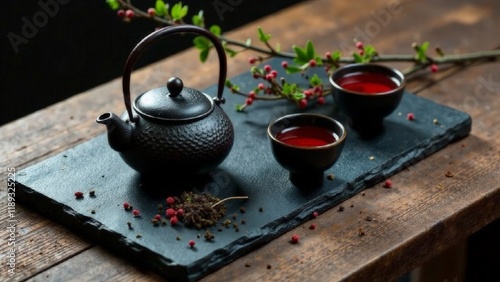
(303, 103)
(180, 212)
(410, 116)
(129, 14)
(295, 239)
(158, 217)
(121, 13)
(251, 94)
(328, 55)
(136, 212)
(361, 52)
(321, 100)
(170, 213)
(434, 68)
(274, 73)
(359, 45)
(312, 227)
(78, 195)
(152, 12)
(312, 63)
(249, 101)
(170, 201)
(284, 64)
(269, 77)
(267, 68)
(256, 75)
(126, 205)
(388, 183)
(261, 86)
(252, 60)
(308, 93)
(174, 220)
(315, 214)
(318, 89)
(191, 243)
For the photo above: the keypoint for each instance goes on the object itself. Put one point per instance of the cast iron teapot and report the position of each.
(172, 130)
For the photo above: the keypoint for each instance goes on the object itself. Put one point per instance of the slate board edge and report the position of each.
(166, 267)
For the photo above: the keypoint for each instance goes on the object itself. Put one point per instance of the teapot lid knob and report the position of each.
(174, 86)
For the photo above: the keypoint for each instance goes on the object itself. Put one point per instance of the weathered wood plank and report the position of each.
(422, 215)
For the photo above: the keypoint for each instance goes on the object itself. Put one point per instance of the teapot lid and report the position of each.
(174, 103)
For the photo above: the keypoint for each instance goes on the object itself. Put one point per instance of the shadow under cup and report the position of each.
(294, 143)
(367, 93)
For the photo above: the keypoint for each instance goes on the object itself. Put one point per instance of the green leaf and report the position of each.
(421, 52)
(301, 57)
(240, 108)
(228, 83)
(315, 80)
(293, 69)
(278, 47)
(248, 42)
(198, 19)
(310, 52)
(113, 4)
(230, 52)
(204, 54)
(357, 57)
(215, 29)
(179, 11)
(370, 50)
(263, 36)
(160, 8)
(201, 42)
(336, 55)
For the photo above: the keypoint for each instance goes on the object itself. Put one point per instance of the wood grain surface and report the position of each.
(424, 214)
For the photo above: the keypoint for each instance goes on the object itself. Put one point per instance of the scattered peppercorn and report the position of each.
(361, 232)
(295, 239)
(209, 236)
(243, 221)
(78, 195)
(158, 217)
(269, 266)
(198, 236)
(234, 216)
(129, 224)
(410, 116)
(92, 193)
(170, 201)
(247, 264)
(126, 205)
(369, 218)
(315, 214)
(312, 227)
(330, 176)
(387, 183)
(92, 211)
(170, 213)
(174, 220)
(179, 212)
(138, 236)
(363, 194)
(178, 238)
(448, 174)
(136, 212)
(341, 208)
(243, 209)
(191, 243)
(261, 209)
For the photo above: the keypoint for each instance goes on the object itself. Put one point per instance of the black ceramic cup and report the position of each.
(367, 93)
(306, 145)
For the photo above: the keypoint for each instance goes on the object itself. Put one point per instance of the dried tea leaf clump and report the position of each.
(199, 209)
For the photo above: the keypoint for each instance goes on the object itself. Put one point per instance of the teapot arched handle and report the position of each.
(160, 34)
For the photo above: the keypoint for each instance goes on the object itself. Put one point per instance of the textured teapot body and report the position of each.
(171, 131)
(192, 148)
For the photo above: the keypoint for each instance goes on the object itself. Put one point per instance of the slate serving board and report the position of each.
(250, 170)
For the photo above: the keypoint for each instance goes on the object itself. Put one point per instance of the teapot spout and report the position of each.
(119, 132)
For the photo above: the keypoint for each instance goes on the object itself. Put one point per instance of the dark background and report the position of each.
(85, 44)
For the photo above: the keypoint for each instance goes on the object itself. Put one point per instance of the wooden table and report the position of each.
(423, 215)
